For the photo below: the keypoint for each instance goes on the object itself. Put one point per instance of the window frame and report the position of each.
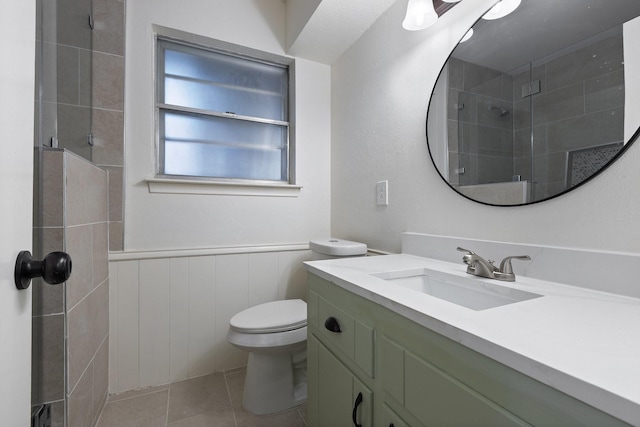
(166, 183)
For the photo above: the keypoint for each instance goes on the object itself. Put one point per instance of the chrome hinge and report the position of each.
(531, 88)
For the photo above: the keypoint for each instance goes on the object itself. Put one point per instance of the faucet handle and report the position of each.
(467, 251)
(505, 265)
(467, 257)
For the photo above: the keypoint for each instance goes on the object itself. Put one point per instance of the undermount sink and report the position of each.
(469, 292)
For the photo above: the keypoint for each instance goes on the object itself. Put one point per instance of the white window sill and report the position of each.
(186, 186)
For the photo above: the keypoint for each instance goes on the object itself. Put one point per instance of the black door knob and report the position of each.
(55, 268)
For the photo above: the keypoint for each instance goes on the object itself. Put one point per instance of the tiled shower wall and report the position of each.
(108, 106)
(71, 321)
(480, 137)
(169, 316)
(581, 105)
(82, 88)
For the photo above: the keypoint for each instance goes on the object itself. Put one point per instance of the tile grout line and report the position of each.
(140, 393)
(166, 418)
(233, 410)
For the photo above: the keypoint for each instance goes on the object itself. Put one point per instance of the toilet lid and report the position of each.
(276, 316)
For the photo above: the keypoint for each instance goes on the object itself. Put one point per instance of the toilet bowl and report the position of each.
(275, 335)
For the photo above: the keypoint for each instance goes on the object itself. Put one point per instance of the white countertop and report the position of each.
(584, 343)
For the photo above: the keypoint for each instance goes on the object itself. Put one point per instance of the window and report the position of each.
(221, 115)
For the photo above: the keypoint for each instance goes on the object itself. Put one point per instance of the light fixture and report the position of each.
(502, 9)
(467, 36)
(420, 15)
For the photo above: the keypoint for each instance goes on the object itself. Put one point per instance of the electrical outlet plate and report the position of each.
(382, 193)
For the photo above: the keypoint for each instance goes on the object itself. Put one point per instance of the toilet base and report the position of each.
(274, 383)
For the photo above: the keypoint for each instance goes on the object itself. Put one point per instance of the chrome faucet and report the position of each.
(481, 267)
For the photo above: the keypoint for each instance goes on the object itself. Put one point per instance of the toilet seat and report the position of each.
(271, 317)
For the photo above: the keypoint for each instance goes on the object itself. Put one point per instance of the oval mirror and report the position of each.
(537, 102)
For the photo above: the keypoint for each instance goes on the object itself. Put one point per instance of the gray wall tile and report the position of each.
(116, 236)
(80, 341)
(108, 137)
(100, 253)
(101, 377)
(52, 189)
(80, 248)
(74, 125)
(108, 35)
(48, 346)
(551, 106)
(108, 81)
(588, 130)
(589, 62)
(604, 92)
(67, 72)
(80, 401)
(86, 192)
(73, 24)
(115, 193)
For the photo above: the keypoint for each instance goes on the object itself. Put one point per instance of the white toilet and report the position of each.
(275, 335)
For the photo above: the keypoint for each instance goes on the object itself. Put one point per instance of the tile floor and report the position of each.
(210, 401)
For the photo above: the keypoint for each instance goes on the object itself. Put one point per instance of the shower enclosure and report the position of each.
(70, 353)
(520, 125)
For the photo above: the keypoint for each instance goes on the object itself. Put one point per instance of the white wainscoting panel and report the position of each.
(170, 316)
(127, 318)
(155, 325)
(201, 287)
(232, 296)
(179, 312)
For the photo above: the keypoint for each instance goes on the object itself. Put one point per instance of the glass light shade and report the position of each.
(502, 9)
(420, 15)
(467, 36)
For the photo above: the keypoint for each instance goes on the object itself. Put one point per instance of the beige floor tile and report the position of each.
(136, 393)
(209, 401)
(221, 418)
(290, 418)
(149, 410)
(198, 396)
(302, 409)
(235, 384)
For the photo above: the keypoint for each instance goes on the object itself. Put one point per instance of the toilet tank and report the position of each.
(336, 248)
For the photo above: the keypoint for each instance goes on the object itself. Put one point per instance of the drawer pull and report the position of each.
(355, 410)
(332, 325)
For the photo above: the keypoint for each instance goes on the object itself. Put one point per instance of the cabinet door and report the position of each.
(335, 402)
(390, 419)
(437, 398)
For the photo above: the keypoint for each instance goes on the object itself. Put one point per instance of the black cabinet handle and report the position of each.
(355, 410)
(55, 268)
(332, 324)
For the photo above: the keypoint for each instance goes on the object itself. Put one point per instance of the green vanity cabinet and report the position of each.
(432, 395)
(338, 395)
(340, 363)
(411, 376)
(390, 419)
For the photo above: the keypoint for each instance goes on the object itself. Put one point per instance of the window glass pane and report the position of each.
(223, 83)
(219, 147)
